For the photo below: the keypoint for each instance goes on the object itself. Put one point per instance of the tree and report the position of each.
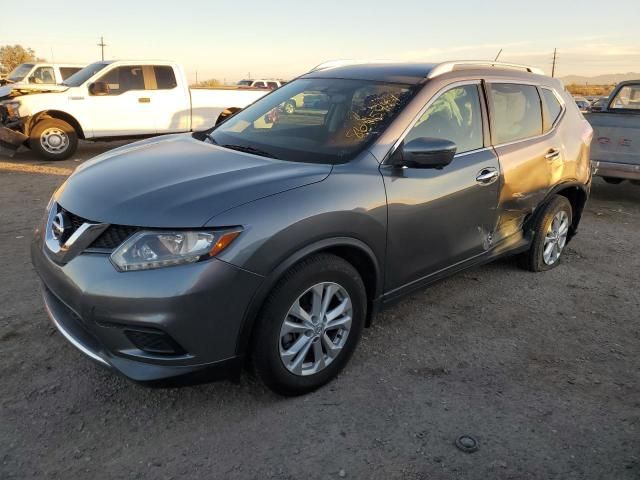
(13, 55)
(212, 82)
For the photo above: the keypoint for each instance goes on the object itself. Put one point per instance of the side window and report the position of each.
(259, 85)
(43, 75)
(165, 77)
(123, 79)
(516, 112)
(552, 105)
(627, 98)
(66, 72)
(272, 85)
(455, 115)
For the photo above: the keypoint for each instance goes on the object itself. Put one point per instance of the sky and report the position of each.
(229, 40)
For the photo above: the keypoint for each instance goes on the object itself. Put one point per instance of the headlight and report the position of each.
(146, 250)
(13, 109)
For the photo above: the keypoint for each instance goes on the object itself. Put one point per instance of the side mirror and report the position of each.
(427, 153)
(99, 88)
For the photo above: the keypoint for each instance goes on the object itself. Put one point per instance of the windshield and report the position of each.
(85, 74)
(20, 72)
(314, 120)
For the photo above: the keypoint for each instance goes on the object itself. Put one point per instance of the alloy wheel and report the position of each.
(315, 329)
(54, 140)
(556, 238)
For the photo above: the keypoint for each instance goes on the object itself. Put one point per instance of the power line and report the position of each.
(496, 59)
(102, 45)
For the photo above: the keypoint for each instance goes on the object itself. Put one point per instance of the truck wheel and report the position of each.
(310, 325)
(550, 235)
(613, 180)
(54, 139)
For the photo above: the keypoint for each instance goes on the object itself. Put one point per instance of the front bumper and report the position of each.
(199, 306)
(616, 170)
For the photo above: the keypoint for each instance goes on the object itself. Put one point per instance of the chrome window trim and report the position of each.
(437, 95)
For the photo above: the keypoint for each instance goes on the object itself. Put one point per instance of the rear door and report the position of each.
(169, 99)
(126, 109)
(617, 129)
(530, 152)
(440, 217)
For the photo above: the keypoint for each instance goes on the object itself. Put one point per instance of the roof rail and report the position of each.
(447, 67)
(344, 63)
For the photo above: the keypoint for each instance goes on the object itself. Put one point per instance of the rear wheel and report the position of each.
(310, 325)
(550, 236)
(53, 139)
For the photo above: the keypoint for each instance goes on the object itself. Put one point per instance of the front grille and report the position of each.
(154, 341)
(113, 237)
(110, 239)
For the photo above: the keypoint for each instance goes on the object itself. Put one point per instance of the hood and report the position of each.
(19, 89)
(176, 182)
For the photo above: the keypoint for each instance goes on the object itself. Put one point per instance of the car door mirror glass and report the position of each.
(424, 152)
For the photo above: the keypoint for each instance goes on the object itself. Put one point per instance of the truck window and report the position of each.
(165, 77)
(272, 85)
(66, 72)
(42, 75)
(516, 112)
(552, 105)
(454, 115)
(628, 98)
(123, 79)
(259, 85)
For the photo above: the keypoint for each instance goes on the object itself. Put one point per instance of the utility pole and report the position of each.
(196, 77)
(553, 67)
(102, 45)
(496, 59)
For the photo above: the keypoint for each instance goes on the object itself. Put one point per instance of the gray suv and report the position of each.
(275, 237)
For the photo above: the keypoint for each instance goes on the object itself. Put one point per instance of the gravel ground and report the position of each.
(542, 369)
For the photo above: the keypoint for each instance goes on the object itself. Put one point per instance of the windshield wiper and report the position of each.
(246, 149)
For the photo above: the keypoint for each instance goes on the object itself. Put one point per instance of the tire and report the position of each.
(53, 139)
(273, 342)
(556, 213)
(613, 180)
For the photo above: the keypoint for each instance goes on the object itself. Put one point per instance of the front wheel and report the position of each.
(551, 231)
(53, 139)
(310, 325)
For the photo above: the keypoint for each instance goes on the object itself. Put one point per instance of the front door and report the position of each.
(438, 218)
(126, 108)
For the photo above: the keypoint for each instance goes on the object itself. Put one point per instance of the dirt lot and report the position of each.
(543, 369)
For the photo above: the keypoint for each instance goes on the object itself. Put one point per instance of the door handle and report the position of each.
(487, 175)
(144, 100)
(552, 154)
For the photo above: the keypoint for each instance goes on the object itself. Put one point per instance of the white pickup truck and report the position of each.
(115, 100)
(40, 74)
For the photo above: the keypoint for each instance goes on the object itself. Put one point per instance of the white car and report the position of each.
(41, 73)
(261, 83)
(115, 99)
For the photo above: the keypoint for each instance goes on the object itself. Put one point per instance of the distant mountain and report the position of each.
(608, 79)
